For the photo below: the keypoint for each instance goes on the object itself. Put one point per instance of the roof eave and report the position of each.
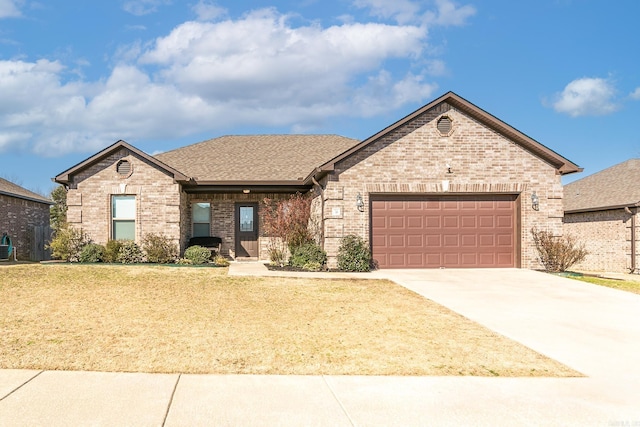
(603, 208)
(31, 199)
(65, 177)
(562, 165)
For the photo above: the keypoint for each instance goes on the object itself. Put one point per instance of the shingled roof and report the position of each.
(615, 187)
(10, 189)
(252, 158)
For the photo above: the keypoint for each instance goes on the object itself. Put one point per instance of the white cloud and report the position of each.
(208, 11)
(447, 12)
(10, 8)
(143, 7)
(635, 94)
(258, 70)
(587, 97)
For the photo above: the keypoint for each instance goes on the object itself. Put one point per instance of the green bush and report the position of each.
(130, 253)
(197, 254)
(67, 243)
(111, 250)
(312, 266)
(354, 254)
(159, 248)
(307, 253)
(184, 261)
(92, 252)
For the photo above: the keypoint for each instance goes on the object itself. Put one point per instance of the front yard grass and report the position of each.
(199, 320)
(629, 285)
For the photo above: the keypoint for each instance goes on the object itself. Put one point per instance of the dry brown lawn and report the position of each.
(199, 320)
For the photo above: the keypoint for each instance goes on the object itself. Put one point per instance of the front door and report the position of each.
(246, 230)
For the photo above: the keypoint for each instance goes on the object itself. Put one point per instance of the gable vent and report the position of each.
(123, 168)
(444, 125)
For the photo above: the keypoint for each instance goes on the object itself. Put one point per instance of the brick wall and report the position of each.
(17, 219)
(413, 159)
(607, 236)
(158, 198)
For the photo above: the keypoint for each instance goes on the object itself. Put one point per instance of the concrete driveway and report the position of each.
(592, 329)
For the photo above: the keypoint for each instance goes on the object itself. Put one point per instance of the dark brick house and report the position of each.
(449, 185)
(21, 212)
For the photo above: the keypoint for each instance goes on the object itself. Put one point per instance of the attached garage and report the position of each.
(452, 231)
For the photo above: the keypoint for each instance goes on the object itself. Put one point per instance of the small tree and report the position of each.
(286, 222)
(557, 254)
(58, 211)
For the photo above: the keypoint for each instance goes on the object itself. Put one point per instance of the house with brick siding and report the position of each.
(601, 211)
(21, 211)
(449, 185)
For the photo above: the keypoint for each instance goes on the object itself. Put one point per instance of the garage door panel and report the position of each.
(415, 240)
(450, 240)
(447, 231)
(415, 221)
(396, 241)
(487, 240)
(449, 221)
(469, 240)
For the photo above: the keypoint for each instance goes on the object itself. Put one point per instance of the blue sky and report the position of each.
(76, 76)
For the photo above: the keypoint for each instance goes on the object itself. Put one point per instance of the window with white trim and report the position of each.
(123, 217)
(201, 219)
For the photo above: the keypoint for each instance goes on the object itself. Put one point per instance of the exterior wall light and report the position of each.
(359, 202)
(535, 201)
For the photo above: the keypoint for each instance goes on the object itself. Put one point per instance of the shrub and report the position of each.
(197, 254)
(221, 261)
(312, 266)
(354, 254)
(307, 253)
(277, 256)
(111, 250)
(92, 252)
(67, 243)
(130, 253)
(184, 261)
(557, 254)
(159, 248)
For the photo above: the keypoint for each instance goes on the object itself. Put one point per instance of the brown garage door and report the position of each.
(450, 231)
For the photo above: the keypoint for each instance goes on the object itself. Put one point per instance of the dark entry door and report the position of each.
(246, 230)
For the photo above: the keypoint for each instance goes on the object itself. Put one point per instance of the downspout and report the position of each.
(315, 182)
(633, 242)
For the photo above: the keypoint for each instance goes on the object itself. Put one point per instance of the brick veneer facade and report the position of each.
(160, 202)
(162, 207)
(18, 217)
(412, 159)
(607, 236)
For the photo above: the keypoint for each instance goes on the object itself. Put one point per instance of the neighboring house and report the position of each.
(24, 217)
(447, 186)
(601, 211)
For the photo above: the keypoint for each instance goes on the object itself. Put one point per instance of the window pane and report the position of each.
(124, 230)
(200, 230)
(246, 218)
(201, 212)
(124, 207)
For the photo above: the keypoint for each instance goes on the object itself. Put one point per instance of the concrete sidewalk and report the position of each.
(592, 329)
